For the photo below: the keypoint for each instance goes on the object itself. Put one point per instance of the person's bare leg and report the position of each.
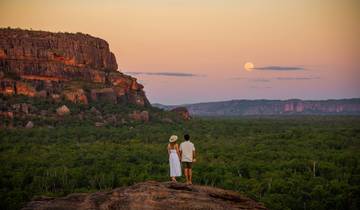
(190, 175)
(186, 172)
(173, 179)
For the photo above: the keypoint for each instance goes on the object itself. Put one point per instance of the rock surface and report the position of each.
(152, 196)
(77, 67)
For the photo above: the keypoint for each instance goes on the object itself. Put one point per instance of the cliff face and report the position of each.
(152, 196)
(273, 107)
(45, 64)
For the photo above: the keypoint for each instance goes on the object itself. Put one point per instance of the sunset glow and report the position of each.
(210, 41)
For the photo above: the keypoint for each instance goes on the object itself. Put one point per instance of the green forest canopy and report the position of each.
(269, 159)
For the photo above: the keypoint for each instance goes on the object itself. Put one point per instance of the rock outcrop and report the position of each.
(183, 112)
(77, 67)
(30, 124)
(63, 110)
(152, 196)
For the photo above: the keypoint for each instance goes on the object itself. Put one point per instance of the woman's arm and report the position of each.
(168, 149)
(177, 151)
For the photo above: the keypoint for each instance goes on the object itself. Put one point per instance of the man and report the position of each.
(187, 154)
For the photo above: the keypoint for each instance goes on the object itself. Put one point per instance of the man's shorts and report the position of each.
(187, 164)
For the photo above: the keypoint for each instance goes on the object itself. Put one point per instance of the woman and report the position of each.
(174, 158)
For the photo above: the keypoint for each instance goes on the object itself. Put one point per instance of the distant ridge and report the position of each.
(271, 107)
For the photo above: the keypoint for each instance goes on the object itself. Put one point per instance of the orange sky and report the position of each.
(193, 51)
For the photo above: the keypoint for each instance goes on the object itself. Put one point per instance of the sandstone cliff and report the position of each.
(76, 67)
(152, 196)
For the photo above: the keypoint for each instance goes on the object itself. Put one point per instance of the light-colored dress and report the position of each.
(175, 167)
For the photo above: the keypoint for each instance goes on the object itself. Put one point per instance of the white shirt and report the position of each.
(187, 149)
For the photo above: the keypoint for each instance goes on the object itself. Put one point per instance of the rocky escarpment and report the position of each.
(75, 67)
(152, 196)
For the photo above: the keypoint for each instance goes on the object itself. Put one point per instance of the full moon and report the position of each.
(248, 66)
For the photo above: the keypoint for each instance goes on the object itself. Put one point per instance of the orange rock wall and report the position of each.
(38, 61)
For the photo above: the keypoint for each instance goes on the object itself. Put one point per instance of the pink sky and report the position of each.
(194, 51)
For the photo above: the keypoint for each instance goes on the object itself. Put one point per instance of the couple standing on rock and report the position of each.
(185, 153)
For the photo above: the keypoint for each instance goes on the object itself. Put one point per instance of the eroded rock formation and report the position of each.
(152, 196)
(77, 67)
(183, 112)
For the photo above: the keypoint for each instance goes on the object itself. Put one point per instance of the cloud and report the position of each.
(169, 74)
(251, 79)
(297, 78)
(273, 79)
(258, 87)
(260, 80)
(280, 68)
(237, 78)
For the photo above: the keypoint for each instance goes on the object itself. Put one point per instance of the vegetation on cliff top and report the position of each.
(42, 112)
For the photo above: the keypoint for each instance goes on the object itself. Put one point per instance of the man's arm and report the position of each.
(194, 157)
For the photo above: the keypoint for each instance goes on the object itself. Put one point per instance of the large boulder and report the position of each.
(150, 195)
(63, 110)
(30, 124)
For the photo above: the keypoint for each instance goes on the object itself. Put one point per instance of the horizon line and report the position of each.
(260, 99)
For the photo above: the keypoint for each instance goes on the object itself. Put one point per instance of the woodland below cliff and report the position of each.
(268, 159)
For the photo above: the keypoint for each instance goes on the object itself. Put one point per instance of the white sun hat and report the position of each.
(173, 138)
